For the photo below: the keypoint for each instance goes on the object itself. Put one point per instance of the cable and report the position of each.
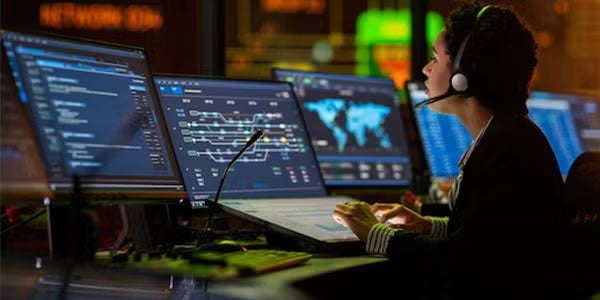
(17, 209)
(21, 223)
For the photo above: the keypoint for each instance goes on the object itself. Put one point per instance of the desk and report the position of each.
(313, 280)
(319, 278)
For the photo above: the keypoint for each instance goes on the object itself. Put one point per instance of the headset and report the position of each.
(458, 80)
(459, 84)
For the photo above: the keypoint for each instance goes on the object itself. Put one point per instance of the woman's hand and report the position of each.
(357, 216)
(400, 216)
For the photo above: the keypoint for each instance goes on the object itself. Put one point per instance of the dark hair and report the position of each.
(500, 57)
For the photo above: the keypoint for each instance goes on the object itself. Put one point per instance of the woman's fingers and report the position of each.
(342, 209)
(339, 215)
(343, 212)
(394, 212)
(379, 208)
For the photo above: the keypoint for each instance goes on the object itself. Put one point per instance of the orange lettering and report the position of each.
(99, 16)
(45, 15)
(141, 18)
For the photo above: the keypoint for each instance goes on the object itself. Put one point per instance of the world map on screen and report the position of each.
(360, 120)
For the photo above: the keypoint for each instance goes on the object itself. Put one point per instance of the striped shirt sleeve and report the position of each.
(439, 227)
(378, 238)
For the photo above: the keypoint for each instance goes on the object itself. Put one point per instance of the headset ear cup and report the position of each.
(459, 82)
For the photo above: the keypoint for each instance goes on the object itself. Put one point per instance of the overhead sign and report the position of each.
(100, 16)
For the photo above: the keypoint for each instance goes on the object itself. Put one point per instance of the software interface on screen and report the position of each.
(586, 115)
(210, 120)
(94, 111)
(355, 126)
(555, 115)
(444, 137)
(22, 173)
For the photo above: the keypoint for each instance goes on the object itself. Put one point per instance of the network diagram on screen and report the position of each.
(211, 120)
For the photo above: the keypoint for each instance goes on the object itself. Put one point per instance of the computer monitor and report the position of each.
(95, 114)
(586, 115)
(22, 175)
(355, 126)
(570, 122)
(444, 138)
(210, 120)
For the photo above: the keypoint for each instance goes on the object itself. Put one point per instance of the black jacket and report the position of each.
(508, 221)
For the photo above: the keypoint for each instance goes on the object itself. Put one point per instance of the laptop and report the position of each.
(93, 109)
(277, 181)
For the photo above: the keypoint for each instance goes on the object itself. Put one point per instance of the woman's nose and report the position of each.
(426, 69)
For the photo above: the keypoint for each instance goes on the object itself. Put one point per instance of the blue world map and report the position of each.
(361, 118)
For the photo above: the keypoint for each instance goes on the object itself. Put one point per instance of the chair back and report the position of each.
(583, 188)
(583, 191)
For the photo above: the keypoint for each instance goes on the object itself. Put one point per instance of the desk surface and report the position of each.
(282, 284)
(21, 280)
(319, 266)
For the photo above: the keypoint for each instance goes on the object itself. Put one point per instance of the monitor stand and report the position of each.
(71, 232)
(149, 226)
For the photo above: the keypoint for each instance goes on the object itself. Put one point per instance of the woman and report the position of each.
(507, 205)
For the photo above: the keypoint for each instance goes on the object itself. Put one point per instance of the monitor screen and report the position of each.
(444, 137)
(570, 122)
(21, 172)
(94, 111)
(586, 115)
(355, 126)
(210, 120)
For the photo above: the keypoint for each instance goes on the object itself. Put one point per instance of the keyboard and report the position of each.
(260, 261)
(219, 265)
